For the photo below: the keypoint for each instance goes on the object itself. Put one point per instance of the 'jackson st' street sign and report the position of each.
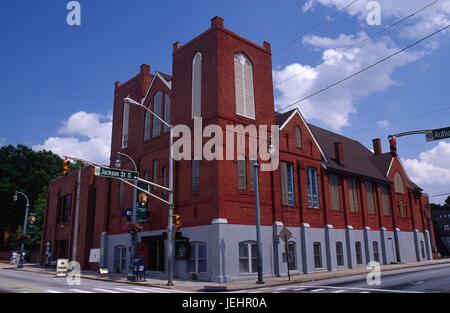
(114, 173)
(438, 134)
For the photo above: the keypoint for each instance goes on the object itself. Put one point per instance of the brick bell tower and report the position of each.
(226, 80)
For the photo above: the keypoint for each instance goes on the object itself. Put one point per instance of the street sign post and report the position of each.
(285, 235)
(438, 134)
(115, 173)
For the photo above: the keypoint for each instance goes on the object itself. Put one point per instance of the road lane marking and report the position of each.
(282, 288)
(20, 286)
(106, 290)
(362, 289)
(317, 290)
(54, 291)
(338, 291)
(299, 289)
(81, 291)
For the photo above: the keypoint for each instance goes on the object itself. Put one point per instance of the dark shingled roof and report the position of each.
(382, 161)
(358, 160)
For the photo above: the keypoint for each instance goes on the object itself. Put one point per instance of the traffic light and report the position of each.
(177, 222)
(393, 146)
(66, 169)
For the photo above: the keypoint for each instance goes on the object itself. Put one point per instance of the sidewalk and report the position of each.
(195, 286)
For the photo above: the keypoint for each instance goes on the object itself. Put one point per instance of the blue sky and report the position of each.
(58, 80)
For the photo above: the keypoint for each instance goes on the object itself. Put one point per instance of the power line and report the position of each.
(326, 19)
(360, 42)
(366, 68)
(444, 194)
(400, 120)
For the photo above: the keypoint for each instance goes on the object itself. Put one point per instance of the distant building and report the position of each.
(344, 205)
(441, 222)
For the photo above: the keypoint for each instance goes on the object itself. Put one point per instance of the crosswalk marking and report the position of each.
(81, 291)
(106, 290)
(129, 290)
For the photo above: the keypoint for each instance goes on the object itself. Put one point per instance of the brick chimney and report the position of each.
(377, 146)
(145, 69)
(217, 22)
(339, 150)
(176, 46)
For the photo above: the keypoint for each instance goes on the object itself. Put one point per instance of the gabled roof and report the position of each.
(358, 160)
(282, 119)
(165, 78)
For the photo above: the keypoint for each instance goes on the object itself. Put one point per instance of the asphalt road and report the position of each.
(425, 279)
(12, 281)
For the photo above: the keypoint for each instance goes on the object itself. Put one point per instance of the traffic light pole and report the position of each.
(171, 202)
(170, 221)
(130, 276)
(75, 226)
(20, 262)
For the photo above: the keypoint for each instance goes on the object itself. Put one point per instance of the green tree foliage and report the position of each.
(34, 241)
(28, 171)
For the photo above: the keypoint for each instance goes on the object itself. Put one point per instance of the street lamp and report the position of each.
(130, 101)
(118, 164)
(20, 263)
(258, 222)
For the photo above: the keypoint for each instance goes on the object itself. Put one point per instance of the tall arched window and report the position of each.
(147, 124)
(376, 252)
(317, 248)
(242, 172)
(243, 80)
(398, 183)
(126, 114)
(197, 85)
(157, 109)
(166, 112)
(298, 137)
(358, 252)
(339, 254)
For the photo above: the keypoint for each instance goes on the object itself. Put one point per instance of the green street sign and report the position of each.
(115, 173)
(438, 134)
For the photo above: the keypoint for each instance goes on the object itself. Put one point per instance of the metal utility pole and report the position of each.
(20, 262)
(75, 226)
(258, 219)
(171, 202)
(130, 276)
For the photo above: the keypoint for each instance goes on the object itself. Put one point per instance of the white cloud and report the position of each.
(383, 124)
(425, 22)
(431, 170)
(94, 144)
(334, 106)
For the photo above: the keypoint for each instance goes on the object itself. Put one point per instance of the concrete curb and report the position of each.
(228, 287)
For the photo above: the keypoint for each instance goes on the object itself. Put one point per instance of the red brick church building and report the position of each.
(344, 204)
